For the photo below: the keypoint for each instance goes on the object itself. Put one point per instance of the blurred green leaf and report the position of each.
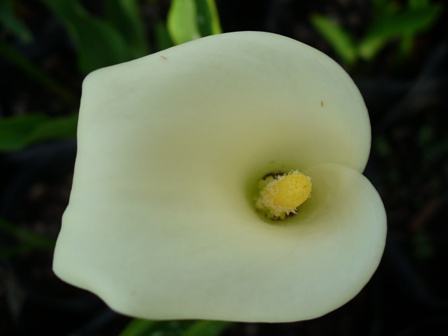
(341, 40)
(125, 16)
(19, 132)
(28, 237)
(384, 7)
(140, 327)
(163, 39)
(182, 23)
(10, 21)
(391, 20)
(191, 19)
(418, 3)
(29, 240)
(97, 42)
(206, 328)
(396, 25)
(207, 17)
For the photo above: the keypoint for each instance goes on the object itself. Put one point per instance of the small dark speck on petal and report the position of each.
(163, 57)
(321, 103)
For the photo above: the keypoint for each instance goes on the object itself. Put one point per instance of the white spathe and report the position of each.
(161, 222)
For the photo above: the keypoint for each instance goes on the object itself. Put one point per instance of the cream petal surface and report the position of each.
(222, 262)
(161, 222)
(248, 98)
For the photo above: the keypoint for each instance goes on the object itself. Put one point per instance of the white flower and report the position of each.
(162, 221)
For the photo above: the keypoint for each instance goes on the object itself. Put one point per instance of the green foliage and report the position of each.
(206, 328)
(207, 18)
(389, 23)
(120, 35)
(191, 19)
(97, 41)
(20, 132)
(28, 240)
(182, 22)
(139, 327)
(9, 20)
(163, 38)
(341, 41)
(125, 16)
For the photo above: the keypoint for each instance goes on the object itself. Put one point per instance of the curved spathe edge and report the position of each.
(214, 273)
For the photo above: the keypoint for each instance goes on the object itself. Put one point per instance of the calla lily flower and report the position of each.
(166, 218)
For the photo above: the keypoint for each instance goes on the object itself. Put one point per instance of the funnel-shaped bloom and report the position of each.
(163, 220)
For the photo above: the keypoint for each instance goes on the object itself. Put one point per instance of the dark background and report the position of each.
(408, 105)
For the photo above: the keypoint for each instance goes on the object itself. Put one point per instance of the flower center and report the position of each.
(281, 195)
